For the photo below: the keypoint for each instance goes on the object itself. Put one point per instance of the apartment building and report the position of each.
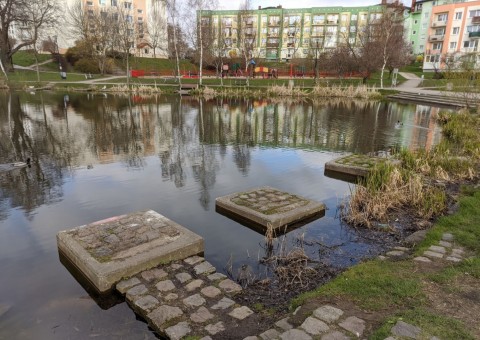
(138, 12)
(278, 33)
(453, 33)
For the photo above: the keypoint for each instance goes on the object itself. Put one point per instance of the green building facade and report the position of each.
(278, 33)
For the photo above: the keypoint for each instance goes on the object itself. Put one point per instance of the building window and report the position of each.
(473, 28)
(416, 22)
(426, 15)
(146, 51)
(114, 3)
(455, 30)
(414, 32)
(140, 10)
(353, 29)
(453, 45)
(437, 46)
(354, 17)
(420, 47)
(458, 16)
(89, 3)
(128, 5)
(474, 13)
(442, 17)
(102, 2)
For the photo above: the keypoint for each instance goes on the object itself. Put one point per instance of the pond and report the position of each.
(97, 156)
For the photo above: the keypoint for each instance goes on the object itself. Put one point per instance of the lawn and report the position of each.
(31, 76)
(27, 58)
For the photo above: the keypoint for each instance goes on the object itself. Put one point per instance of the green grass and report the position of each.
(373, 285)
(165, 66)
(430, 323)
(31, 76)
(27, 58)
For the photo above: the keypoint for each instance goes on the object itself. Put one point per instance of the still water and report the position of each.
(95, 157)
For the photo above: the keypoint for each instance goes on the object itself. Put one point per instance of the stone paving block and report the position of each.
(353, 325)
(295, 334)
(432, 254)
(123, 246)
(170, 297)
(406, 330)
(204, 268)
(268, 206)
(445, 244)
(382, 258)
(241, 313)
(210, 291)
(252, 337)
(447, 237)
(146, 303)
(229, 286)
(438, 249)
(335, 335)
(422, 259)
(401, 248)
(216, 277)
(195, 284)
(178, 331)
(125, 285)
(284, 324)
(163, 314)
(395, 253)
(165, 286)
(193, 260)
(201, 315)
(270, 334)
(194, 301)
(154, 274)
(224, 303)
(206, 338)
(136, 291)
(183, 277)
(314, 326)
(215, 328)
(458, 251)
(175, 266)
(328, 313)
(453, 259)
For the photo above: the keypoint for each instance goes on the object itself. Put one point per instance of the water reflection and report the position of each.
(94, 157)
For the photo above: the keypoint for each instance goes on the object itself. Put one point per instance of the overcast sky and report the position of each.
(235, 4)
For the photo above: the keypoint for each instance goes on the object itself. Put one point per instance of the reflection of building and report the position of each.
(279, 33)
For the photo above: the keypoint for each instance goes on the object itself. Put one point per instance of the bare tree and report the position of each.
(34, 14)
(126, 29)
(173, 14)
(247, 33)
(157, 27)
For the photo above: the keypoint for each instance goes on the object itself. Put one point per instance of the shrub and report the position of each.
(85, 65)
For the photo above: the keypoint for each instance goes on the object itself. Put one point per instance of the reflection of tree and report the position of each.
(23, 137)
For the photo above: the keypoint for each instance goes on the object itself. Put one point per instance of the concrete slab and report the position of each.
(123, 246)
(268, 206)
(355, 165)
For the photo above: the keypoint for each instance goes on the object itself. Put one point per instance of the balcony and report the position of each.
(318, 34)
(476, 20)
(317, 23)
(290, 44)
(436, 37)
(439, 23)
(274, 23)
(332, 22)
(474, 35)
(272, 45)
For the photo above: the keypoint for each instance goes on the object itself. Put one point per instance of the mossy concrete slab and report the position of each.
(356, 165)
(268, 206)
(109, 250)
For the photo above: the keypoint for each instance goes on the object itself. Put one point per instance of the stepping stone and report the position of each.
(453, 259)
(401, 248)
(416, 237)
(447, 237)
(422, 259)
(314, 326)
(108, 250)
(224, 303)
(204, 268)
(335, 335)
(229, 286)
(125, 285)
(295, 334)
(195, 284)
(432, 254)
(215, 328)
(382, 258)
(406, 330)
(395, 253)
(353, 325)
(457, 251)
(284, 324)
(165, 286)
(241, 313)
(163, 314)
(438, 249)
(178, 331)
(270, 334)
(183, 277)
(210, 291)
(445, 244)
(267, 206)
(201, 315)
(194, 301)
(328, 313)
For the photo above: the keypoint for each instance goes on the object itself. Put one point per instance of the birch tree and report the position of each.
(157, 26)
